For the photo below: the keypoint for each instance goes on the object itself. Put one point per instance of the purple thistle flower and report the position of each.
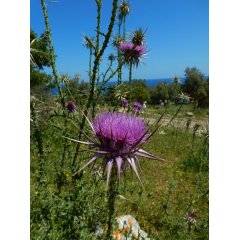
(125, 103)
(126, 46)
(191, 217)
(71, 106)
(137, 107)
(119, 138)
(132, 53)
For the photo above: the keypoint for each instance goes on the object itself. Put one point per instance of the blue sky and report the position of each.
(177, 34)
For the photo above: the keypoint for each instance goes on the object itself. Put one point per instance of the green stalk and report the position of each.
(175, 115)
(51, 49)
(119, 55)
(93, 84)
(130, 73)
(124, 27)
(39, 139)
(111, 204)
(90, 65)
(94, 74)
(99, 7)
(64, 145)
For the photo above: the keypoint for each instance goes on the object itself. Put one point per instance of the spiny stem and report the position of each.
(130, 73)
(130, 79)
(51, 49)
(124, 27)
(39, 139)
(90, 64)
(175, 115)
(64, 145)
(111, 205)
(119, 54)
(94, 72)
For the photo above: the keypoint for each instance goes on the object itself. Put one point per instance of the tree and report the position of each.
(40, 58)
(139, 91)
(40, 81)
(160, 93)
(40, 50)
(139, 83)
(197, 86)
(175, 88)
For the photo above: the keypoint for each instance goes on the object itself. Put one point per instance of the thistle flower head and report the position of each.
(119, 137)
(125, 103)
(120, 92)
(184, 96)
(111, 58)
(124, 9)
(71, 106)
(118, 131)
(117, 40)
(138, 37)
(88, 42)
(132, 53)
(137, 107)
(176, 80)
(191, 217)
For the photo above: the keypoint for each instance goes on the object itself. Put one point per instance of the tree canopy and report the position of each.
(40, 58)
(197, 86)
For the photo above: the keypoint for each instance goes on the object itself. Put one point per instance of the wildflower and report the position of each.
(191, 217)
(183, 98)
(125, 103)
(117, 40)
(137, 107)
(111, 58)
(88, 42)
(138, 37)
(71, 106)
(132, 53)
(119, 137)
(124, 9)
(120, 92)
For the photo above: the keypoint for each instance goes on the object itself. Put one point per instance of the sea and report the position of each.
(154, 82)
(149, 82)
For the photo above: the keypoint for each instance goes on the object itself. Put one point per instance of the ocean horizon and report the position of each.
(153, 82)
(149, 82)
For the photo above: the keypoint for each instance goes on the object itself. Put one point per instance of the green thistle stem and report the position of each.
(124, 27)
(119, 54)
(130, 74)
(112, 193)
(51, 49)
(39, 139)
(94, 72)
(90, 64)
(64, 145)
(175, 115)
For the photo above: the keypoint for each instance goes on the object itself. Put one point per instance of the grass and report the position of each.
(66, 207)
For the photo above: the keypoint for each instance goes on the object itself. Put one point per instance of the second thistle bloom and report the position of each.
(71, 106)
(137, 107)
(132, 53)
(125, 103)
